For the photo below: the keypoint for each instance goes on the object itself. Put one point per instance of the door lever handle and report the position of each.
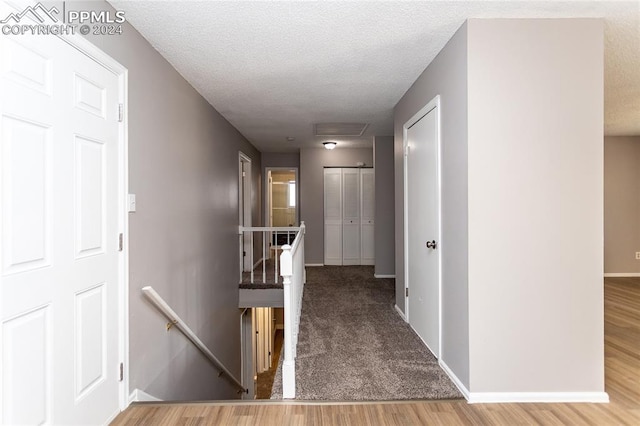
(432, 244)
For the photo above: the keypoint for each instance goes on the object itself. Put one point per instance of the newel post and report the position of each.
(288, 365)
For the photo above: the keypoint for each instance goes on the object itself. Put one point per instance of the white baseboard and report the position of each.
(383, 276)
(622, 274)
(139, 395)
(537, 397)
(404, 318)
(314, 264)
(523, 397)
(456, 381)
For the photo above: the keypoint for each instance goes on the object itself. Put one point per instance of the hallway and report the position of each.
(622, 328)
(354, 346)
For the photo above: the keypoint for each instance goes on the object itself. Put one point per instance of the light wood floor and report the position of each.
(622, 353)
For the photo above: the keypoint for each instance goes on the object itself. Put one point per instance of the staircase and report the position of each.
(275, 280)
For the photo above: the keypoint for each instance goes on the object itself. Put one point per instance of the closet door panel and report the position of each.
(332, 216)
(351, 216)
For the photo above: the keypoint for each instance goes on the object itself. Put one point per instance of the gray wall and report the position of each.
(183, 167)
(385, 218)
(522, 203)
(536, 205)
(446, 76)
(312, 163)
(621, 204)
(280, 159)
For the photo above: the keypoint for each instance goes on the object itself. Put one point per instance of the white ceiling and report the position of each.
(273, 69)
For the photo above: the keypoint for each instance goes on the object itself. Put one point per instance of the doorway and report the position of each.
(261, 341)
(281, 197)
(422, 229)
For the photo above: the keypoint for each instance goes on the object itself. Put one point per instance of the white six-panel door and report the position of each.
(59, 241)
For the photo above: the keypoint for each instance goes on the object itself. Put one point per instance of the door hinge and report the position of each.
(244, 174)
(244, 254)
(406, 292)
(121, 371)
(120, 113)
(120, 242)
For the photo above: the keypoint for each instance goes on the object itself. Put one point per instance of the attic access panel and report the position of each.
(340, 129)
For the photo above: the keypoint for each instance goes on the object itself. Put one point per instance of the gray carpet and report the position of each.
(353, 345)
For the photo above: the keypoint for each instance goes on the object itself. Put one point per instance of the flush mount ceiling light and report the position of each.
(329, 145)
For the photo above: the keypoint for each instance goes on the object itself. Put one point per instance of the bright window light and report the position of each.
(292, 194)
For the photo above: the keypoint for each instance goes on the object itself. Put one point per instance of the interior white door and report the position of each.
(350, 216)
(423, 230)
(248, 353)
(367, 217)
(263, 329)
(59, 240)
(270, 336)
(333, 216)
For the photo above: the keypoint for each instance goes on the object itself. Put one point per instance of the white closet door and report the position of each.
(333, 216)
(350, 216)
(367, 217)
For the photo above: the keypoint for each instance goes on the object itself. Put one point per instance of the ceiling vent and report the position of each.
(340, 129)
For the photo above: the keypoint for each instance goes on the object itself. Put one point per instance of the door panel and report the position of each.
(423, 225)
(351, 216)
(27, 367)
(59, 244)
(332, 217)
(26, 195)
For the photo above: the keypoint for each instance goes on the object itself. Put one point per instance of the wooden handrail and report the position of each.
(175, 320)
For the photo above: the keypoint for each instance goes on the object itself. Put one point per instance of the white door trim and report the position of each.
(245, 213)
(242, 157)
(431, 105)
(92, 51)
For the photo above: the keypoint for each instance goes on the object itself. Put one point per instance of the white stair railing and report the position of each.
(294, 278)
(273, 239)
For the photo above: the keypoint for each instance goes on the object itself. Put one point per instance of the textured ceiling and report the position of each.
(273, 69)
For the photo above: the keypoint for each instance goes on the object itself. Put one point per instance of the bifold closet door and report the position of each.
(349, 216)
(367, 217)
(333, 216)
